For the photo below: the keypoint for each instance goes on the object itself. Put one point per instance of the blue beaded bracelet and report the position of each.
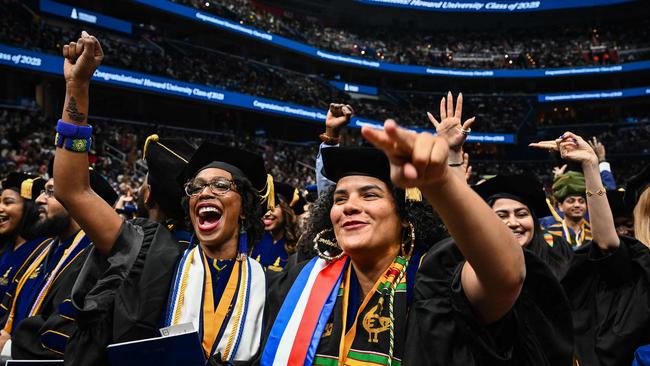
(69, 130)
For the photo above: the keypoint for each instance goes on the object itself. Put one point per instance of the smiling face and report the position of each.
(274, 219)
(215, 217)
(364, 216)
(574, 207)
(518, 218)
(11, 212)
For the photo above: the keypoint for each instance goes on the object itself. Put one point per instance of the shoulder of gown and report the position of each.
(610, 297)
(443, 328)
(121, 297)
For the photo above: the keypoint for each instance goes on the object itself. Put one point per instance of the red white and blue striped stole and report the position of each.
(299, 325)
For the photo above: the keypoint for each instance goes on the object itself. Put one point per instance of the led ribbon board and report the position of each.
(41, 62)
(471, 6)
(85, 16)
(594, 95)
(262, 36)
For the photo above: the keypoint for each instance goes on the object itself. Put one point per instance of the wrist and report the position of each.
(455, 156)
(77, 85)
(332, 132)
(590, 164)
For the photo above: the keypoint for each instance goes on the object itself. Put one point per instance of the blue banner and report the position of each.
(86, 16)
(355, 88)
(225, 24)
(594, 95)
(503, 6)
(36, 61)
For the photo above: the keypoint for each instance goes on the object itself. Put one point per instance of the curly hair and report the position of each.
(250, 204)
(428, 226)
(290, 223)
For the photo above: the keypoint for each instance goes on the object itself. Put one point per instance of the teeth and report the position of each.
(205, 209)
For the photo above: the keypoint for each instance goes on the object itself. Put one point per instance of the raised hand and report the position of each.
(571, 147)
(558, 171)
(450, 127)
(416, 159)
(599, 149)
(82, 58)
(338, 116)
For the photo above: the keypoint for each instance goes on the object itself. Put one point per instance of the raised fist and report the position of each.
(82, 58)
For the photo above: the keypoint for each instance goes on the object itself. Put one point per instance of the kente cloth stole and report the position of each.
(234, 327)
(299, 339)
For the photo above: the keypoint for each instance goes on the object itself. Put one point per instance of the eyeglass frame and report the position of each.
(232, 187)
(49, 193)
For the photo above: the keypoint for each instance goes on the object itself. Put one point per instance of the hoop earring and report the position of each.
(319, 239)
(411, 239)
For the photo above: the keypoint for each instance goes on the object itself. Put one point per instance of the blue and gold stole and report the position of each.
(13, 265)
(41, 274)
(272, 256)
(229, 315)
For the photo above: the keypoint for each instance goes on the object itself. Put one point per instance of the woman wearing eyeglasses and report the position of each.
(136, 279)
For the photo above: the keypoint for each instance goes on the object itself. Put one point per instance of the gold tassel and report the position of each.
(553, 212)
(269, 194)
(413, 194)
(26, 189)
(152, 138)
(296, 197)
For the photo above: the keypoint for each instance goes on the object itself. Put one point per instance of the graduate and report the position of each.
(519, 200)
(41, 317)
(608, 280)
(371, 272)
(136, 278)
(22, 244)
(280, 229)
(160, 196)
(569, 193)
(637, 197)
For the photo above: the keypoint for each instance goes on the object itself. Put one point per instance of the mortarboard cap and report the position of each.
(31, 188)
(15, 180)
(635, 187)
(166, 157)
(522, 188)
(339, 162)
(617, 204)
(291, 196)
(240, 163)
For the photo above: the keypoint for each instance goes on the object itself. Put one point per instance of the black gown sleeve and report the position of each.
(610, 298)
(443, 328)
(45, 335)
(122, 297)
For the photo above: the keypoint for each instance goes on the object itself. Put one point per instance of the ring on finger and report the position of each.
(465, 131)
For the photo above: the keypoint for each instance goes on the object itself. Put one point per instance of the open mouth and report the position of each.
(269, 220)
(208, 217)
(4, 220)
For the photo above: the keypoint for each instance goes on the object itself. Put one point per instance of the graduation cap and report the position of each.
(97, 183)
(340, 162)
(165, 157)
(31, 188)
(291, 196)
(240, 163)
(15, 180)
(617, 204)
(635, 187)
(312, 193)
(569, 184)
(521, 188)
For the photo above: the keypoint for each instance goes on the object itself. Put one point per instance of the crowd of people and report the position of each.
(507, 48)
(395, 253)
(127, 242)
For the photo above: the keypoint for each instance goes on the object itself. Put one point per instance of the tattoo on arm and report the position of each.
(73, 112)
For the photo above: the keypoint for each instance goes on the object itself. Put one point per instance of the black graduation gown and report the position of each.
(444, 330)
(610, 298)
(122, 297)
(44, 336)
